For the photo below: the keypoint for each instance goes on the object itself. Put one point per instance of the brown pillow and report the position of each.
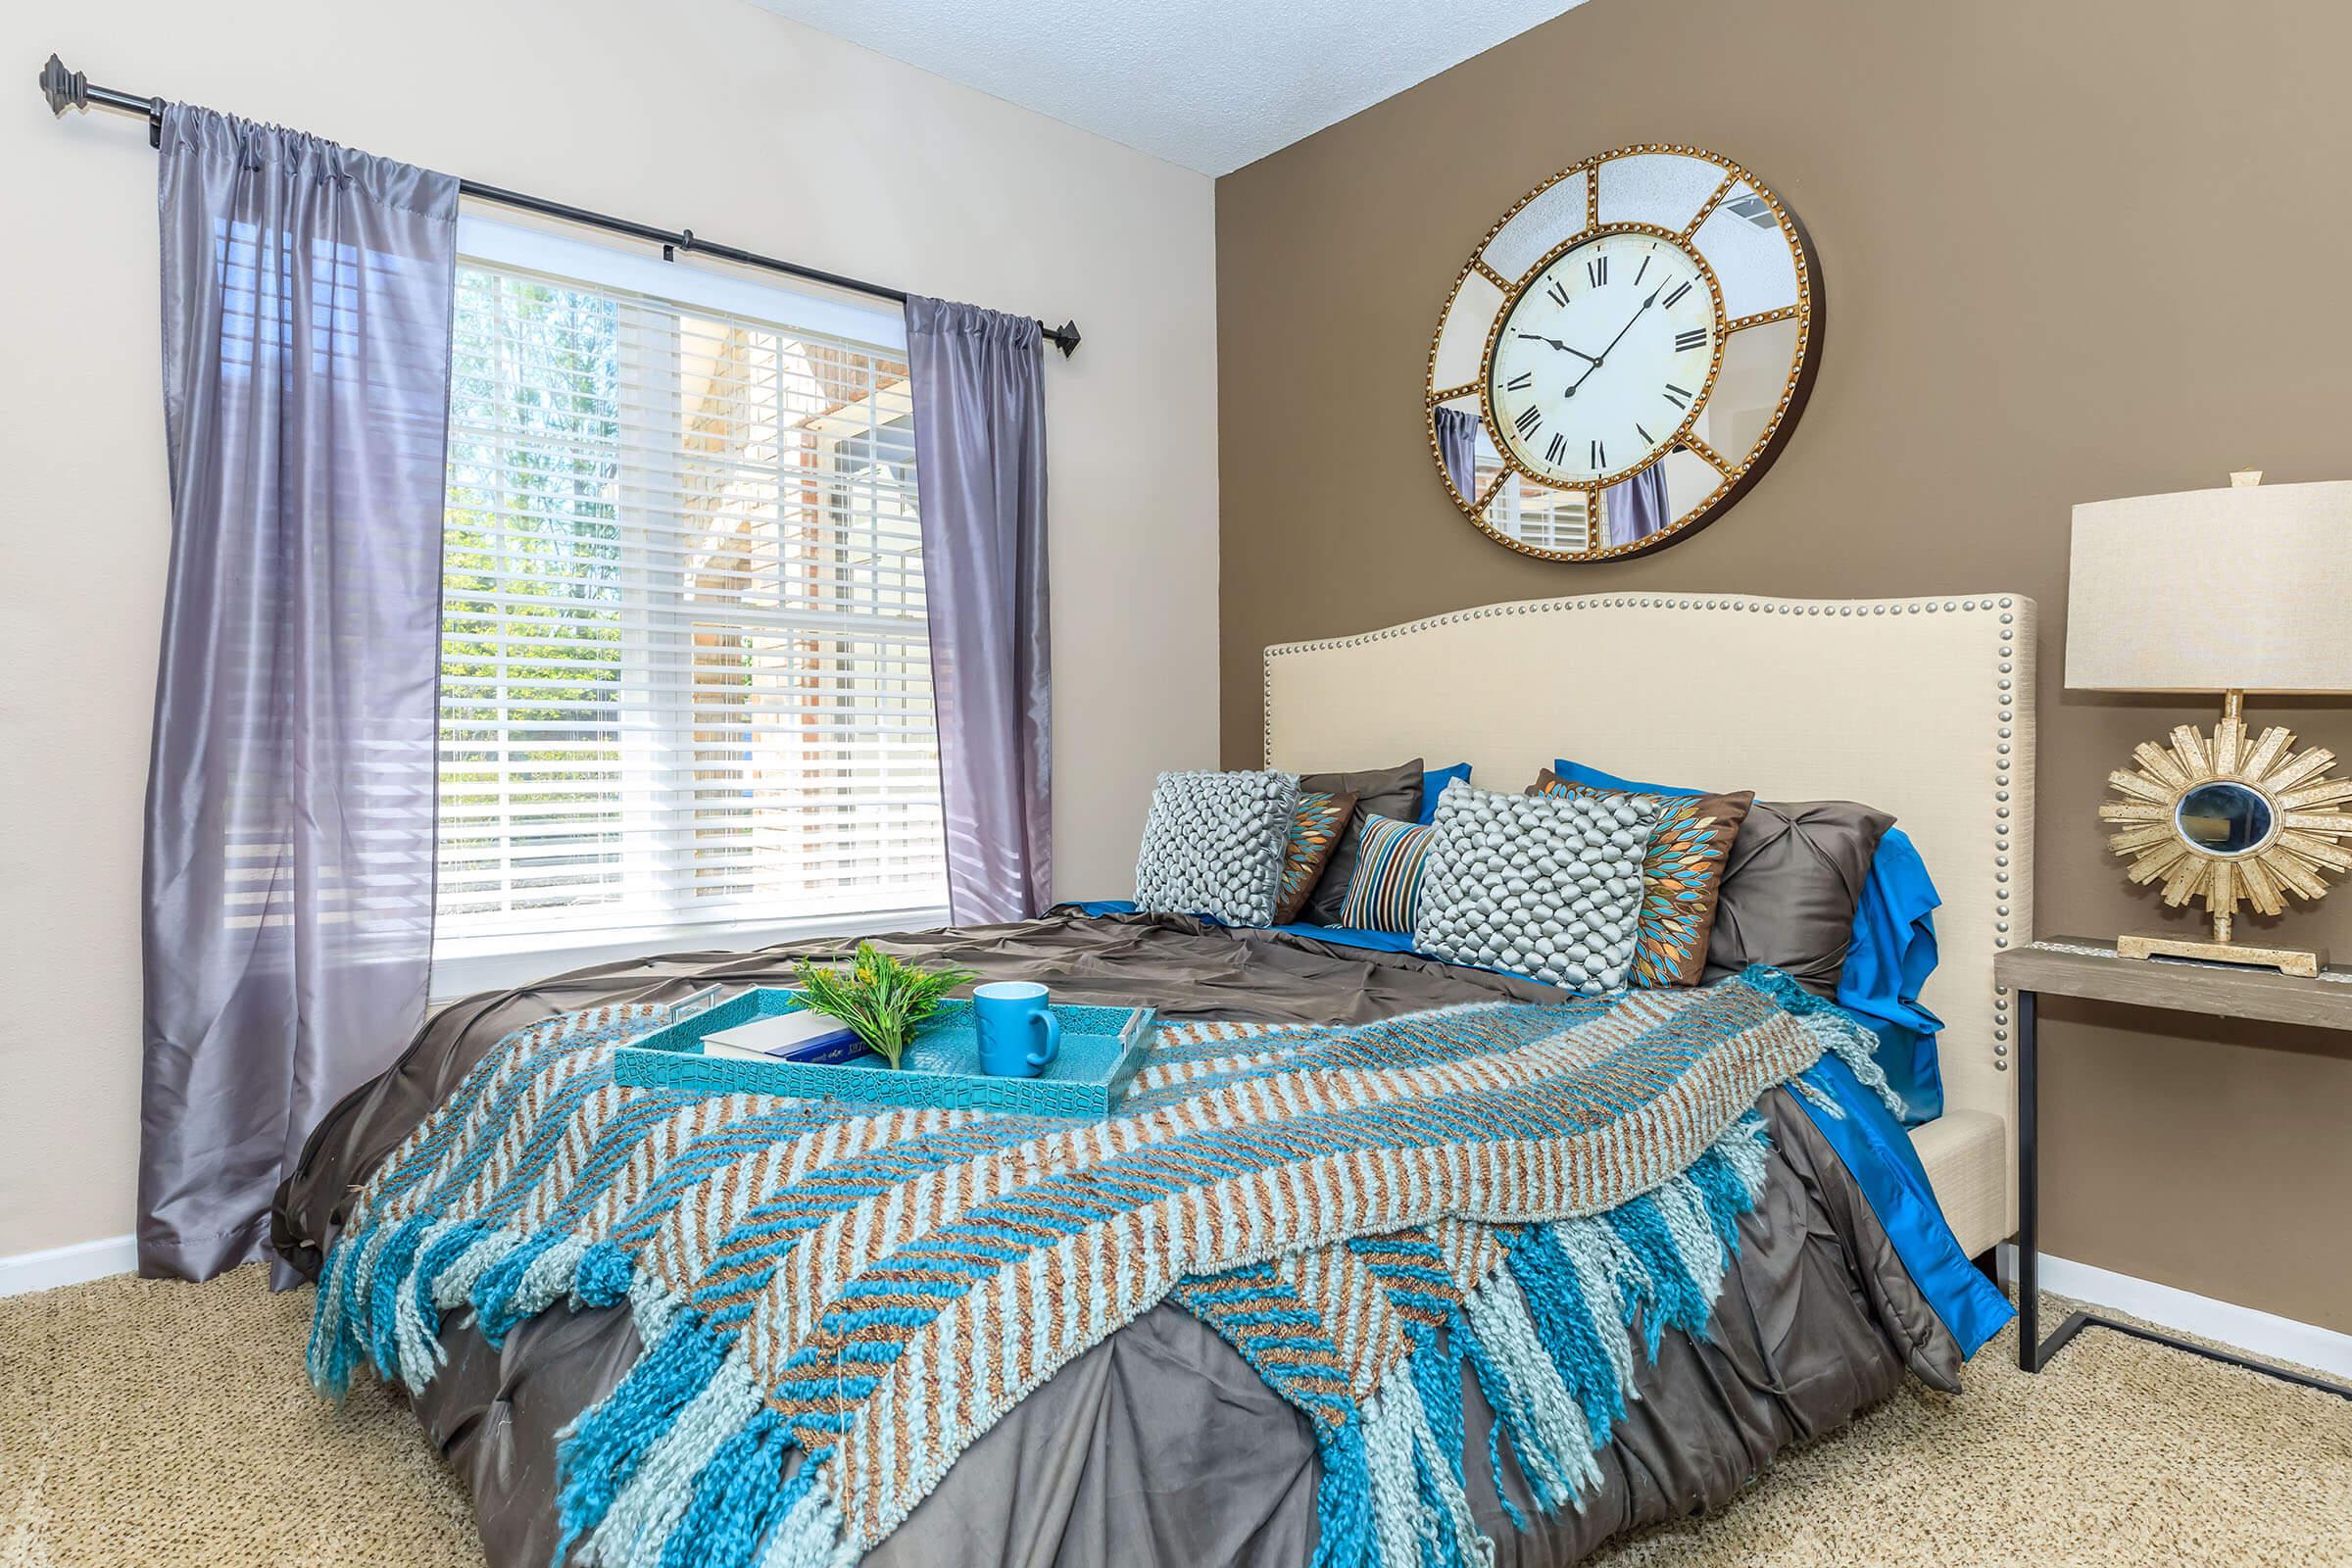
(1392, 792)
(1317, 825)
(1790, 894)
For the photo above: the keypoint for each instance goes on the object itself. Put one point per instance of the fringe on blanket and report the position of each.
(685, 1463)
(677, 1464)
(1549, 1335)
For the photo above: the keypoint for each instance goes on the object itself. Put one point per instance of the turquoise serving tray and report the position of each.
(1101, 1048)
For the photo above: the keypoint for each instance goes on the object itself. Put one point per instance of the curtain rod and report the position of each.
(70, 90)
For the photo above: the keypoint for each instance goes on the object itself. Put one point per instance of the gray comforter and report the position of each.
(1161, 1446)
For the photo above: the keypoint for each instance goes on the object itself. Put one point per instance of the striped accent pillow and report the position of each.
(1384, 892)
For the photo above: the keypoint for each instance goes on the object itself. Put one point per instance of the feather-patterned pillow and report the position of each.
(1316, 828)
(1682, 876)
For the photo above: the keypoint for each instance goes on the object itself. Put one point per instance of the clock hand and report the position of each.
(1629, 325)
(1536, 337)
(1619, 338)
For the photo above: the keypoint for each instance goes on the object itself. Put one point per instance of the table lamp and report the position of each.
(2236, 591)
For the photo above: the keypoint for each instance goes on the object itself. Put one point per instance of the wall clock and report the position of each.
(1623, 354)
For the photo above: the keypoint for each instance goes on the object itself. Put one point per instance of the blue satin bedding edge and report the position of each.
(1877, 1151)
(1867, 1138)
(1888, 960)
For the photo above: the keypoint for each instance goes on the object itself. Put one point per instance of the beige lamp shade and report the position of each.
(2243, 589)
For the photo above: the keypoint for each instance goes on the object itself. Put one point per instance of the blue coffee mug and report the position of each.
(1019, 1032)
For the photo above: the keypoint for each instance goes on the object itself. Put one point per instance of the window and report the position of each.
(685, 676)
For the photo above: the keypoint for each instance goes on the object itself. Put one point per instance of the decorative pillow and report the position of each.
(1390, 792)
(1789, 896)
(1889, 954)
(1543, 884)
(1213, 844)
(1600, 779)
(1682, 873)
(1433, 785)
(1384, 890)
(1317, 826)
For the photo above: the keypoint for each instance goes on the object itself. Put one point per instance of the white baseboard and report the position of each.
(2257, 1332)
(68, 1265)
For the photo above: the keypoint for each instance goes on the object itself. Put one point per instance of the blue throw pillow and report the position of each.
(1579, 773)
(1433, 785)
(1891, 954)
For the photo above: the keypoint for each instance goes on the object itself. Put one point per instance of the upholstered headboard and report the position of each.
(1920, 707)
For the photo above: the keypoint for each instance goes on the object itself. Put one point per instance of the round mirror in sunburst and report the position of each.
(2220, 819)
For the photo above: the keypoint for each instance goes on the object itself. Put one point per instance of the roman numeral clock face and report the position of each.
(1623, 355)
(1603, 359)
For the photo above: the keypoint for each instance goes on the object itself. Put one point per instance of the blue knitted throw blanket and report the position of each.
(834, 1306)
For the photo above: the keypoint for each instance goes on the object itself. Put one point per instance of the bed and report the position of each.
(1160, 1445)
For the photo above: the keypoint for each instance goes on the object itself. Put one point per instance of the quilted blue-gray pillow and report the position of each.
(1213, 844)
(1548, 886)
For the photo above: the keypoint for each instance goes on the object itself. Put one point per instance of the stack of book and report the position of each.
(803, 1036)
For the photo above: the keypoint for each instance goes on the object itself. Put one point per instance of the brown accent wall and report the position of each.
(2071, 250)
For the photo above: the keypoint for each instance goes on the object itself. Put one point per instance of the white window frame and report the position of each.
(466, 964)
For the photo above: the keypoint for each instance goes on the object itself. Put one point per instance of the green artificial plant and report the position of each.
(879, 997)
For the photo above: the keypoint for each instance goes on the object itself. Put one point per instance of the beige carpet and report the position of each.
(166, 1425)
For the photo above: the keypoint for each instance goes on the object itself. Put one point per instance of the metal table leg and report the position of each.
(2028, 1178)
(2032, 1352)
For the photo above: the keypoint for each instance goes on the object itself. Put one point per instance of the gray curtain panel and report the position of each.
(308, 292)
(1636, 508)
(1458, 442)
(980, 471)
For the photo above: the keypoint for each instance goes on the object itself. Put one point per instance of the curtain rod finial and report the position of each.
(1065, 337)
(65, 89)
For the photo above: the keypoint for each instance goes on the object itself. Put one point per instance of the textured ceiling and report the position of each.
(1211, 84)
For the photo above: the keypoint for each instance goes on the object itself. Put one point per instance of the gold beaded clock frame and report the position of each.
(1539, 515)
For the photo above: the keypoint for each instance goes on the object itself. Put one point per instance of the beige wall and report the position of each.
(2072, 249)
(707, 113)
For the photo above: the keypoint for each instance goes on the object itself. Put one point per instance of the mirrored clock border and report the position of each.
(1768, 334)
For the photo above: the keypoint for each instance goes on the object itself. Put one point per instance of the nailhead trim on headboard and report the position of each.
(2001, 604)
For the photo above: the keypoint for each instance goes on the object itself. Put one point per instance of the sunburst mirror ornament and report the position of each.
(2222, 821)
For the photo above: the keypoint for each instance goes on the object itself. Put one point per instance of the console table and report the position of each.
(2079, 966)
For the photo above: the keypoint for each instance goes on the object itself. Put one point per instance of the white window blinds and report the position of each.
(684, 676)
